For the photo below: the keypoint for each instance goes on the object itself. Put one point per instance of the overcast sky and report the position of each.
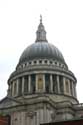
(63, 21)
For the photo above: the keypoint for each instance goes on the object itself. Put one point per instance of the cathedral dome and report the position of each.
(42, 70)
(43, 50)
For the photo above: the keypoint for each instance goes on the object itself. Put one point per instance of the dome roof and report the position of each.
(41, 50)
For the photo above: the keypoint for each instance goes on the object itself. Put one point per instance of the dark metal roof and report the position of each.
(41, 50)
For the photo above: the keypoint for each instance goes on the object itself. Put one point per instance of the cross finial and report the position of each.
(40, 18)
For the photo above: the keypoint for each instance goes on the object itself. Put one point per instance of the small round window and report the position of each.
(55, 63)
(35, 62)
(40, 61)
(46, 61)
(29, 62)
(50, 62)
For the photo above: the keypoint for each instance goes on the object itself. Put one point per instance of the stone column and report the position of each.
(9, 90)
(23, 85)
(75, 91)
(17, 86)
(69, 87)
(13, 88)
(51, 83)
(72, 88)
(29, 83)
(71, 92)
(44, 88)
(64, 86)
(58, 84)
(36, 83)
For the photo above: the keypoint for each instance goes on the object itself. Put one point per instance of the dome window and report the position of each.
(61, 83)
(25, 84)
(55, 63)
(20, 86)
(25, 64)
(35, 62)
(40, 82)
(14, 87)
(51, 62)
(40, 61)
(46, 61)
(47, 82)
(60, 64)
(21, 66)
(33, 81)
(55, 86)
(67, 86)
(30, 63)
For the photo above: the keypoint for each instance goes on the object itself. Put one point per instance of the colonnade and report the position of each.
(39, 83)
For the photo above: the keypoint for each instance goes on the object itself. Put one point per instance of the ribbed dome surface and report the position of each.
(41, 50)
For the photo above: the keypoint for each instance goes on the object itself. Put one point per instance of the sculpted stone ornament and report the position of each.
(30, 114)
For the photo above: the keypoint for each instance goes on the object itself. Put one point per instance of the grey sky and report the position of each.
(63, 21)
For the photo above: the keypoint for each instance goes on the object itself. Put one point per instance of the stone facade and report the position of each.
(41, 89)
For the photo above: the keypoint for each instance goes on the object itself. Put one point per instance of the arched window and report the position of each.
(71, 87)
(33, 81)
(67, 85)
(20, 86)
(55, 89)
(47, 82)
(15, 87)
(26, 84)
(40, 82)
(61, 83)
(74, 87)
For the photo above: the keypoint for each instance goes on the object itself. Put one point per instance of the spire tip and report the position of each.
(40, 18)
